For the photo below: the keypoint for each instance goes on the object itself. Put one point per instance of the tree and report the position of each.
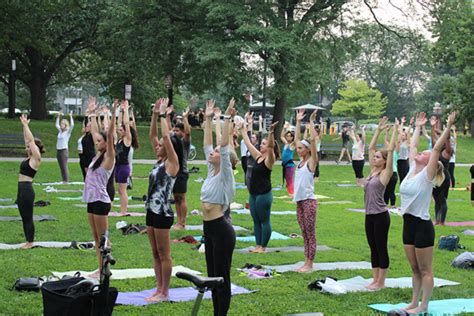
(45, 38)
(359, 101)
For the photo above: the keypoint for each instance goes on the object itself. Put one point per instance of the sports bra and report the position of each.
(26, 170)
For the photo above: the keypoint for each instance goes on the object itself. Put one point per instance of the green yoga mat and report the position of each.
(441, 307)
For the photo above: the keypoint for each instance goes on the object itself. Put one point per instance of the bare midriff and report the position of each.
(211, 211)
(23, 178)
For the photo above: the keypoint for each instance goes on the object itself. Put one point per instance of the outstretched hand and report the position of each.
(433, 120)
(231, 108)
(272, 126)
(420, 119)
(312, 117)
(300, 115)
(451, 119)
(210, 104)
(24, 120)
(186, 112)
(382, 123)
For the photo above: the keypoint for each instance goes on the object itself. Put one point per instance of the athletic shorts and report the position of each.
(418, 232)
(158, 221)
(98, 208)
(122, 172)
(346, 145)
(181, 183)
(358, 166)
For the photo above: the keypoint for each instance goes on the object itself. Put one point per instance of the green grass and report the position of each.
(286, 293)
(48, 133)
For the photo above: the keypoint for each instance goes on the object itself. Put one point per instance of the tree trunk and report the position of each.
(38, 98)
(279, 115)
(472, 128)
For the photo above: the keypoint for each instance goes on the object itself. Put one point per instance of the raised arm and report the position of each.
(433, 162)
(373, 143)
(187, 127)
(229, 114)
(71, 123)
(58, 119)
(352, 134)
(169, 114)
(386, 174)
(270, 160)
(172, 163)
(30, 141)
(299, 117)
(208, 122)
(92, 116)
(250, 147)
(313, 140)
(363, 133)
(217, 116)
(109, 157)
(420, 121)
(153, 133)
(283, 132)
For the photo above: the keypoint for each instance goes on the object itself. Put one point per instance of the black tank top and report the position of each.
(260, 181)
(26, 170)
(345, 136)
(88, 149)
(472, 171)
(121, 153)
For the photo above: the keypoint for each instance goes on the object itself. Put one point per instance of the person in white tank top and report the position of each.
(306, 203)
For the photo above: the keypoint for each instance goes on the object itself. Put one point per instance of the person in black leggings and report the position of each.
(88, 148)
(472, 185)
(389, 194)
(28, 169)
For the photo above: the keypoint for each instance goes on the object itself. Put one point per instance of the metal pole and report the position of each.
(12, 92)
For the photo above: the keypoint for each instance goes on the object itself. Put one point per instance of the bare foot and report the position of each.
(417, 310)
(375, 286)
(369, 285)
(157, 298)
(178, 226)
(304, 269)
(409, 307)
(27, 245)
(94, 275)
(256, 249)
(157, 293)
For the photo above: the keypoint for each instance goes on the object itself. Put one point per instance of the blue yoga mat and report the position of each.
(441, 307)
(274, 236)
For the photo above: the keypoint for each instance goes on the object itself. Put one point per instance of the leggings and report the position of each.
(260, 208)
(243, 161)
(289, 172)
(358, 166)
(389, 194)
(403, 166)
(84, 162)
(220, 242)
(62, 156)
(376, 230)
(440, 196)
(25, 200)
(306, 211)
(451, 173)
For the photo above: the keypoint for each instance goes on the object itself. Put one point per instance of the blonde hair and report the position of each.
(439, 176)
(65, 122)
(234, 159)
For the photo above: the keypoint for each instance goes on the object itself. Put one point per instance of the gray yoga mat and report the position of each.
(358, 283)
(335, 202)
(43, 244)
(39, 218)
(285, 249)
(246, 211)
(200, 227)
(6, 199)
(8, 206)
(320, 266)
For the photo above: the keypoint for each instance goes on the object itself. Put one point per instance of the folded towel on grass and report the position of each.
(441, 307)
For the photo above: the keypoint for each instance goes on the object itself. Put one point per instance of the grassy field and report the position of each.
(286, 293)
(48, 134)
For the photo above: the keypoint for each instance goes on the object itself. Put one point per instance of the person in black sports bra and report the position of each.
(28, 169)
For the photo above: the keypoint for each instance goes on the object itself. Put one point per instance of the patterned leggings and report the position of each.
(306, 211)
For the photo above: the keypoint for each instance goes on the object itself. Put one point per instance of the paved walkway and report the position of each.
(195, 162)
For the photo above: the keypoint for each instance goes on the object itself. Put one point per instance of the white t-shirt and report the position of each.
(415, 193)
(304, 183)
(219, 188)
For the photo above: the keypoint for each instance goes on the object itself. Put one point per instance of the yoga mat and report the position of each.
(246, 211)
(240, 186)
(467, 223)
(180, 294)
(59, 183)
(6, 199)
(8, 206)
(358, 210)
(70, 198)
(50, 189)
(358, 283)
(319, 197)
(343, 185)
(273, 236)
(39, 218)
(200, 227)
(132, 205)
(132, 214)
(393, 211)
(122, 274)
(468, 232)
(320, 266)
(336, 202)
(285, 249)
(441, 307)
(42, 244)
(306, 314)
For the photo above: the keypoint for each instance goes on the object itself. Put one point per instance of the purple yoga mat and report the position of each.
(180, 294)
(469, 232)
(468, 223)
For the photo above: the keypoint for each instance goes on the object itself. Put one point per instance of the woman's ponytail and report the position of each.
(439, 176)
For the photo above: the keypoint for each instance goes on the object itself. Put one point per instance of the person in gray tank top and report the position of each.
(377, 219)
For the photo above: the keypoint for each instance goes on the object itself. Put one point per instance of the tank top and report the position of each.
(160, 187)
(345, 136)
(373, 197)
(88, 148)
(358, 150)
(121, 155)
(95, 186)
(26, 170)
(304, 183)
(403, 153)
(287, 156)
(260, 181)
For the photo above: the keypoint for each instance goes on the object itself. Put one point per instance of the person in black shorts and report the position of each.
(346, 144)
(182, 131)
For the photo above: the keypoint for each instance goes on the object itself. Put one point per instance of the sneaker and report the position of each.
(337, 161)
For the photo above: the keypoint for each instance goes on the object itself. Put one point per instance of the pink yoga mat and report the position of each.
(117, 214)
(468, 223)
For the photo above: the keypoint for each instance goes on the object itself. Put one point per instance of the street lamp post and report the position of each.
(11, 92)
